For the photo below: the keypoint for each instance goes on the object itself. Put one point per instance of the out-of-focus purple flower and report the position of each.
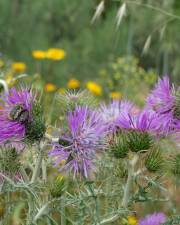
(144, 121)
(85, 136)
(112, 111)
(162, 100)
(15, 113)
(153, 219)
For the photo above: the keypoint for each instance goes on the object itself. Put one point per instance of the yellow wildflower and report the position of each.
(115, 95)
(38, 54)
(73, 84)
(1, 63)
(49, 87)
(132, 220)
(61, 90)
(55, 54)
(94, 88)
(18, 67)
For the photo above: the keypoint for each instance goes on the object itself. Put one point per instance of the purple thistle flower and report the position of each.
(78, 147)
(112, 111)
(144, 121)
(153, 219)
(15, 112)
(162, 101)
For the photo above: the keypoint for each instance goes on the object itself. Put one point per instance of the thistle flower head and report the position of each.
(72, 98)
(144, 121)
(139, 127)
(153, 219)
(78, 146)
(112, 111)
(161, 98)
(16, 114)
(164, 101)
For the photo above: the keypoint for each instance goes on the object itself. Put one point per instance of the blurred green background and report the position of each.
(29, 25)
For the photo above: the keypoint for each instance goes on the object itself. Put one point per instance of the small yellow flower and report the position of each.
(94, 88)
(18, 67)
(61, 90)
(55, 54)
(115, 95)
(73, 84)
(1, 63)
(38, 54)
(132, 220)
(49, 87)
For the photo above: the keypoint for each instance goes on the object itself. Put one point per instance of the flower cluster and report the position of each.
(52, 54)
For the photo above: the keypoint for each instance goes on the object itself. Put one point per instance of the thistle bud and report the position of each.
(177, 105)
(154, 160)
(9, 160)
(57, 187)
(120, 169)
(119, 147)
(36, 128)
(176, 165)
(139, 140)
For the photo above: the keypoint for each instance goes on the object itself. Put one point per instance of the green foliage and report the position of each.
(127, 76)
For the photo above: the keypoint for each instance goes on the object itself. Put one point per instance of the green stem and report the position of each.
(44, 171)
(63, 213)
(37, 166)
(24, 174)
(128, 186)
